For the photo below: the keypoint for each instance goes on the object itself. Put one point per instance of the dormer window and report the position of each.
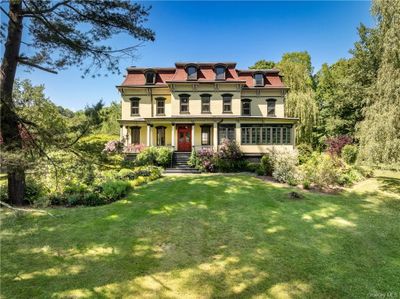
(150, 77)
(191, 72)
(258, 79)
(220, 72)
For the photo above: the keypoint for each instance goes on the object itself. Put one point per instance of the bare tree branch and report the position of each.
(29, 63)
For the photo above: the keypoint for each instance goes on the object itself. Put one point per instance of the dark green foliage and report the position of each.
(252, 167)
(34, 191)
(266, 165)
(304, 151)
(349, 153)
(263, 64)
(115, 189)
(160, 156)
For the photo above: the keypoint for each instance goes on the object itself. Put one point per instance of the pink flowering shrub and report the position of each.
(336, 144)
(206, 159)
(113, 147)
(134, 148)
(229, 150)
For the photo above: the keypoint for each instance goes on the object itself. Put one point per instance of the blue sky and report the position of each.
(221, 31)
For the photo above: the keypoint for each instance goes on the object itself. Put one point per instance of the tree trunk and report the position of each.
(12, 140)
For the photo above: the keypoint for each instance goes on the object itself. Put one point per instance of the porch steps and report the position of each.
(179, 162)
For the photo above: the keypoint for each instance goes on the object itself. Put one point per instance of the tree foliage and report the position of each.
(296, 69)
(263, 64)
(61, 33)
(379, 133)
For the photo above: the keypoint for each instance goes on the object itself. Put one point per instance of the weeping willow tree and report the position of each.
(379, 133)
(300, 102)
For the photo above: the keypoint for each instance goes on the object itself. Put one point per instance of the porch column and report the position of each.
(215, 136)
(193, 135)
(173, 136)
(148, 141)
(238, 133)
(127, 135)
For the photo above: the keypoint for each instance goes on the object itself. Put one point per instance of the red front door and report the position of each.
(184, 138)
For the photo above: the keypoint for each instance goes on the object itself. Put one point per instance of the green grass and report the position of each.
(210, 236)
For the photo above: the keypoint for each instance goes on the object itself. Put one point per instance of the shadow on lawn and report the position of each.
(207, 236)
(389, 184)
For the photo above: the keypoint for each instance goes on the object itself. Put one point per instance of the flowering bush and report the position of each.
(336, 144)
(229, 150)
(134, 148)
(206, 160)
(285, 167)
(113, 147)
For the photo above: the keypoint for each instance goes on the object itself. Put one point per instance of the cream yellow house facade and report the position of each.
(196, 105)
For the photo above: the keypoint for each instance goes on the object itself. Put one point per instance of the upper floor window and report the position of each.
(220, 72)
(135, 106)
(191, 72)
(150, 77)
(226, 103)
(205, 103)
(160, 136)
(246, 107)
(258, 79)
(271, 107)
(184, 103)
(160, 109)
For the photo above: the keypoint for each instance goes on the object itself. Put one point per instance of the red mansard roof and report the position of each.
(136, 75)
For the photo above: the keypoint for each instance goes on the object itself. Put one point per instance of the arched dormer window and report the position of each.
(191, 71)
(246, 107)
(150, 77)
(220, 72)
(271, 107)
(258, 79)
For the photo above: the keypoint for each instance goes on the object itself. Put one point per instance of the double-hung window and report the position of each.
(205, 103)
(160, 136)
(246, 107)
(135, 135)
(227, 103)
(160, 106)
(271, 103)
(184, 103)
(135, 106)
(205, 135)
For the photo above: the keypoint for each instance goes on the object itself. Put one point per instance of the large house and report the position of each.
(197, 105)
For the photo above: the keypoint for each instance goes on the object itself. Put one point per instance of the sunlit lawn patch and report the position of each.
(210, 236)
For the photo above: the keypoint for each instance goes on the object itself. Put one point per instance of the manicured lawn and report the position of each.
(211, 236)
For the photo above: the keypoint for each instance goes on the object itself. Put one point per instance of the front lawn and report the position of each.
(210, 236)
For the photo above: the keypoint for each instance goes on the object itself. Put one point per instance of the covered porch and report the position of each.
(180, 136)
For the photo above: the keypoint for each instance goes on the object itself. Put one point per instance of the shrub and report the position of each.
(266, 165)
(285, 167)
(163, 156)
(252, 167)
(336, 144)
(230, 157)
(95, 144)
(229, 150)
(160, 156)
(304, 151)
(115, 189)
(34, 191)
(113, 147)
(193, 159)
(349, 153)
(322, 170)
(206, 160)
